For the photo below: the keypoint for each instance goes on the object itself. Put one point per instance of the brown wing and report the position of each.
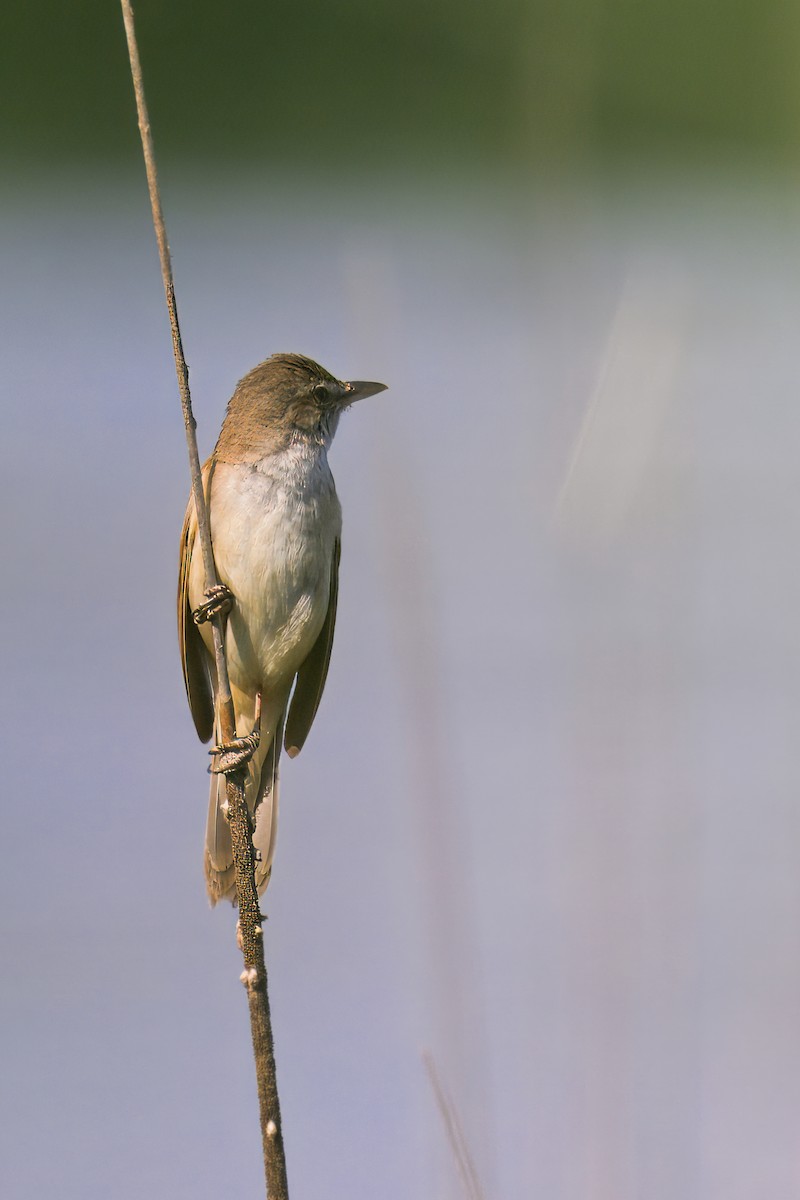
(194, 656)
(313, 673)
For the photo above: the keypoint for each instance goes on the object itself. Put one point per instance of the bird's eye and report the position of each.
(321, 392)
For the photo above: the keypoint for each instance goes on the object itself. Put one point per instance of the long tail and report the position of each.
(261, 794)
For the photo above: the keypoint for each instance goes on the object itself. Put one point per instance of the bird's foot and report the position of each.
(218, 604)
(234, 755)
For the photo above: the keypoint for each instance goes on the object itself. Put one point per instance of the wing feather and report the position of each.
(194, 656)
(314, 671)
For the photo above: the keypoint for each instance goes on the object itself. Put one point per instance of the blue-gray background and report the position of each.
(547, 824)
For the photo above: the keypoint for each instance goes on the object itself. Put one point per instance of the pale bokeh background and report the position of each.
(547, 824)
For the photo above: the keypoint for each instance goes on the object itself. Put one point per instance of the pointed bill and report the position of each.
(360, 389)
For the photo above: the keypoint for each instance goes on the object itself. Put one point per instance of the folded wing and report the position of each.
(314, 671)
(194, 656)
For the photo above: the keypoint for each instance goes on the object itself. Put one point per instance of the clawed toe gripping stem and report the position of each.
(219, 603)
(235, 755)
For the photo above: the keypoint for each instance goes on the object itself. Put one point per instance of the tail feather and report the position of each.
(261, 794)
(219, 850)
(265, 830)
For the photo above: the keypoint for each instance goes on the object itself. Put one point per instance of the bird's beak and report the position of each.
(359, 389)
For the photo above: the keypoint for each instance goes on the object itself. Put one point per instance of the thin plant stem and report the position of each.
(454, 1132)
(250, 929)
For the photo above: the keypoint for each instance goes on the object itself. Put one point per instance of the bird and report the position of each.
(275, 523)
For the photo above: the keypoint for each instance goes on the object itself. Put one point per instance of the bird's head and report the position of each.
(287, 395)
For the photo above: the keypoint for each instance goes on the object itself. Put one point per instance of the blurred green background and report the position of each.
(370, 82)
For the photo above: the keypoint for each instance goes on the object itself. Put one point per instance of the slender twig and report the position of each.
(251, 937)
(454, 1131)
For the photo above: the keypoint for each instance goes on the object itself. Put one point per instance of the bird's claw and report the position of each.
(235, 755)
(218, 604)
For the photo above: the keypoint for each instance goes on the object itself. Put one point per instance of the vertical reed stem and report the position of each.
(254, 975)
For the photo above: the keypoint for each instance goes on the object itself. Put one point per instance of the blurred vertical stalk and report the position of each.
(444, 870)
(455, 1134)
(251, 939)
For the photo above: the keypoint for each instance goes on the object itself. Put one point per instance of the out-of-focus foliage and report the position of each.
(366, 81)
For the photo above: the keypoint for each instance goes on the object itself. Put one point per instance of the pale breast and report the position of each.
(274, 525)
